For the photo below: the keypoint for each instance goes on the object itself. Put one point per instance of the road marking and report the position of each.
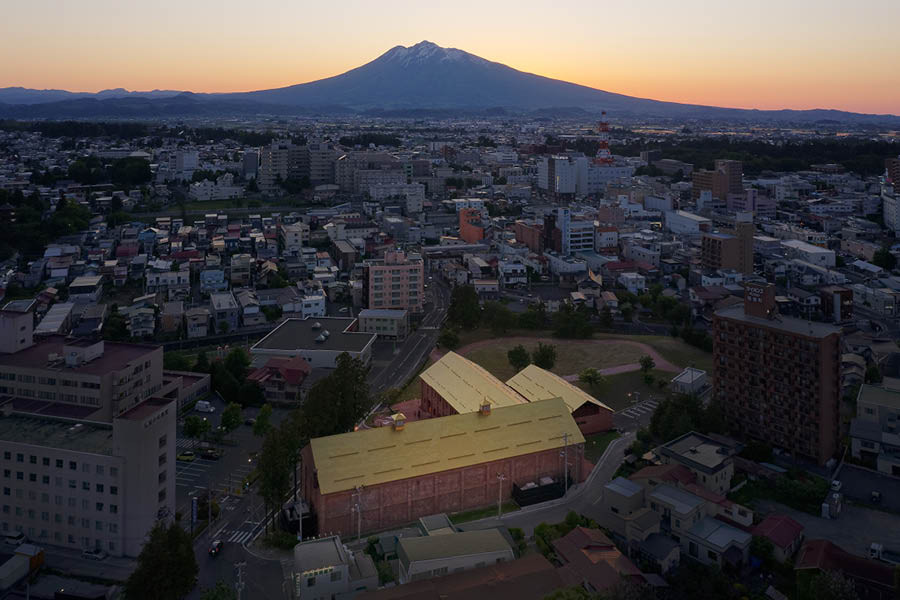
(238, 537)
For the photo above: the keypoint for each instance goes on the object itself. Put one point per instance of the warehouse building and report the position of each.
(373, 479)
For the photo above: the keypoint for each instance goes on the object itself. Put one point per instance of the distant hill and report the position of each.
(418, 80)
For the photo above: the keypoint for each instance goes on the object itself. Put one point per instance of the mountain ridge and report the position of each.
(424, 76)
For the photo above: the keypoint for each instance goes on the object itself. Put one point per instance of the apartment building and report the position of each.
(225, 312)
(778, 378)
(730, 248)
(386, 324)
(292, 237)
(725, 178)
(875, 432)
(710, 462)
(241, 272)
(396, 282)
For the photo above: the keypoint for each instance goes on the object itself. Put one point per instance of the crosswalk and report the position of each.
(640, 409)
(236, 537)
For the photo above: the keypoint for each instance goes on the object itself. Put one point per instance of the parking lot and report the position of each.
(858, 485)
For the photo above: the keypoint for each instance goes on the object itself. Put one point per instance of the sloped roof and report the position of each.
(781, 529)
(465, 385)
(383, 454)
(535, 383)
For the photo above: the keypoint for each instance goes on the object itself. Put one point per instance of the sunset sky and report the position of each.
(756, 54)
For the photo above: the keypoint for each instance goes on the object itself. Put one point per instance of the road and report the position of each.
(394, 366)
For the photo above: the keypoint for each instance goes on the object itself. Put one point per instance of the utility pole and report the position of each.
(565, 455)
(500, 479)
(209, 501)
(358, 508)
(239, 583)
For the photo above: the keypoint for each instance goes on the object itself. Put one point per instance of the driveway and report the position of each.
(854, 530)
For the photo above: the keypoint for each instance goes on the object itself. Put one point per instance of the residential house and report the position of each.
(433, 556)
(197, 322)
(325, 569)
(212, 280)
(281, 378)
(873, 580)
(225, 311)
(251, 312)
(241, 270)
(590, 559)
(171, 317)
(785, 533)
(875, 432)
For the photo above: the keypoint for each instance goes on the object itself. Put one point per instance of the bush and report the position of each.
(281, 540)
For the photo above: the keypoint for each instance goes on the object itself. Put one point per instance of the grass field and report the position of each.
(672, 349)
(596, 444)
(482, 513)
(614, 391)
(571, 358)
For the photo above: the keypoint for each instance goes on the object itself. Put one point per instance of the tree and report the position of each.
(606, 318)
(832, 585)
(448, 339)
(195, 427)
(176, 361)
(498, 317)
(231, 417)
(166, 567)
(202, 363)
(221, 591)
(763, 549)
(627, 311)
(591, 377)
(335, 403)
(223, 327)
(884, 259)
(251, 394)
(274, 467)
(544, 356)
(572, 322)
(225, 383)
(576, 592)
(873, 374)
(647, 363)
(263, 421)
(464, 310)
(518, 357)
(238, 363)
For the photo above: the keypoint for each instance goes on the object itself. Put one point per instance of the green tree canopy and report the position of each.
(221, 591)
(335, 403)
(647, 363)
(195, 426)
(176, 361)
(231, 417)
(498, 317)
(263, 421)
(544, 356)
(448, 339)
(591, 377)
(464, 310)
(166, 567)
(518, 357)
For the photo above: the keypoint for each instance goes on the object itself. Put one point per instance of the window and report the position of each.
(86, 486)
(712, 555)
(73, 466)
(161, 496)
(114, 509)
(7, 473)
(20, 457)
(310, 581)
(113, 490)
(45, 461)
(99, 488)
(99, 469)
(73, 484)
(113, 528)
(99, 507)
(45, 479)
(7, 455)
(162, 441)
(335, 575)
(114, 472)
(59, 463)
(32, 459)
(85, 468)
(20, 475)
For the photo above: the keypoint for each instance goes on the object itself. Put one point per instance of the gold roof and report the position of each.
(465, 385)
(381, 455)
(535, 383)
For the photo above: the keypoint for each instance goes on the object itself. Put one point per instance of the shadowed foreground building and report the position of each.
(399, 473)
(778, 378)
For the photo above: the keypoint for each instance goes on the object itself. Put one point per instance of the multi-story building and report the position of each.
(241, 270)
(875, 432)
(396, 282)
(778, 378)
(386, 324)
(682, 222)
(224, 310)
(730, 248)
(212, 280)
(197, 320)
(281, 378)
(319, 162)
(725, 178)
(413, 195)
(471, 226)
(292, 237)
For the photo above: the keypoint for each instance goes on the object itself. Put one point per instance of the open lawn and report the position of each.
(675, 350)
(571, 358)
(482, 513)
(596, 444)
(615, 389)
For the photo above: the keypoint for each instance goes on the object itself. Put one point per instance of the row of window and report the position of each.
(58, 500)
(73, 484)
(34, 534)
(60, 463)
(58, 518)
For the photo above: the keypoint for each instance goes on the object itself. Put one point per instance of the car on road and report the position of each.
(16, 539)
(204, 406)
(836, 486)
(215, 548)
(95, 554)
(211, 453)
(251, 422)
(186, 456)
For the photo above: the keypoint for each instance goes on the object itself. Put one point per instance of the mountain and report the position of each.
(420, 80)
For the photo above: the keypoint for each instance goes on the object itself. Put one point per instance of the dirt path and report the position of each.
(661, 363)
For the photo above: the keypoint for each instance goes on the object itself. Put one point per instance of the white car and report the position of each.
(94, 554)
(836, 486)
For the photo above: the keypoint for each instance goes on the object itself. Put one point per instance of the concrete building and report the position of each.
(197, 321)
(396, 282)
(86, 289)
(710, 462)
(875, 432)
(730, 248)
(319, 340)
(437, 555)
(682, 222)
(428, 471)
(778, 378)
(725, 178)
(471, 226)
(292, 237)
(225, 312)
(386, 324)
(815, 255)
(324, 569)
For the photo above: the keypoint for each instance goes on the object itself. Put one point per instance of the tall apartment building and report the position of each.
(558, 175)
(278, 161)
(730, 248)
(292, 237)
(892, 168)
(778, 378)
(725, 178)
(396, 282)
(87, 440)
(318, 162)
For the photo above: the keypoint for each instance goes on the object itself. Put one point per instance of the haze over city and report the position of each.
(767, 55)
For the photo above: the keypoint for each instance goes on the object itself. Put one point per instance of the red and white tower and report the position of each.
(603, 156)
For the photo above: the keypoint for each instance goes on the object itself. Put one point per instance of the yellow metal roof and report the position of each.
(465, 385)
(535, 383)
(381, 455)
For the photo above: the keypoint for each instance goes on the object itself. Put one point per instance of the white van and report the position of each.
(16, 539)
(205, 406)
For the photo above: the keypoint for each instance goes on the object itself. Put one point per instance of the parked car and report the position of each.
(186, 456)
(836, 486)
(94, 554)
(215, 548)
(251, 422)
(16, 539)
(204, 406)
(211, 453)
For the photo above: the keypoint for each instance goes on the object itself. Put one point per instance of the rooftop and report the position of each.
(789, 324)
(535, 383)
(465, 385)
(697, 450)
(462, 543)
(318, 554)
(94, 438)
(682, 502)
(624, 487)
(301, 334)
(382, 454)
(116, 355)
(222, 300)
(381, 312)
(719, 534)
(886, 394)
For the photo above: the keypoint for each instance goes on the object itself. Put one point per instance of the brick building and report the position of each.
(778, 378)
(471, 226)
(373, 479)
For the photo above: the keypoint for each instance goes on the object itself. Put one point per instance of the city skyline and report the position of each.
(804, 55)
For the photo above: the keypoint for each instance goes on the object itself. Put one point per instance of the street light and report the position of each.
(500, 479)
